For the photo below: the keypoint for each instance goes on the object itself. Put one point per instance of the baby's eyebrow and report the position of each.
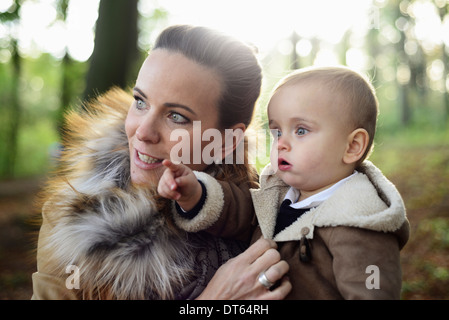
(294, 119)
(300, 119)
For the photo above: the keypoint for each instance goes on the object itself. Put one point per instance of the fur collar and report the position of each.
(367, 200)
(124, 245)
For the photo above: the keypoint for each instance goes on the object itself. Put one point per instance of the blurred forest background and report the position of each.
(404, 49)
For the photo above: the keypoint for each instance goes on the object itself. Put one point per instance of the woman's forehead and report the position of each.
(170, 77)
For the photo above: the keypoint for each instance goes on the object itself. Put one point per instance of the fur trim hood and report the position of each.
(121, 237)
(367, 200)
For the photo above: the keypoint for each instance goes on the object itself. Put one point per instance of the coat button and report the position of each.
(305, 231)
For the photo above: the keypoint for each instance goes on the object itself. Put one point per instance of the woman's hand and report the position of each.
(238, 278)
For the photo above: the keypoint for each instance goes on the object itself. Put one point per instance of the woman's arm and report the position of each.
(238, 278)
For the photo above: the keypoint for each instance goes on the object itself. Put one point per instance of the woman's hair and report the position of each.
(232, 60)
(350, 89)
(237, 67)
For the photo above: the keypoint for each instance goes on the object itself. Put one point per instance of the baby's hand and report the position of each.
(179, 183)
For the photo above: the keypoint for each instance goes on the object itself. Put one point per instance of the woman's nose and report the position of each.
(148, 129)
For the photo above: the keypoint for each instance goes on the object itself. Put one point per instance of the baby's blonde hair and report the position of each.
(351, 88)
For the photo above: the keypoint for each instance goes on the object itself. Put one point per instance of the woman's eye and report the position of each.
(301, 131)
(140, 104)
(177, 118)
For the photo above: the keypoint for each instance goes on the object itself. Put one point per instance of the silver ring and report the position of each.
(264, 281)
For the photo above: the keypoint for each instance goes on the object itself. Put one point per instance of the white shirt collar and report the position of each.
(316, 199)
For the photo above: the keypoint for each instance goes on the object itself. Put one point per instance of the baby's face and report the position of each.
(312, 136)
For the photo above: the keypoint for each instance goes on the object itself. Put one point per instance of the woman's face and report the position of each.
(171, 92)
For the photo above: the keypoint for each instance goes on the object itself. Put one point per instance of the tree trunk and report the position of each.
(404, 105)
(294, 40)
(115, 47)
(66, 92)
(12, 137)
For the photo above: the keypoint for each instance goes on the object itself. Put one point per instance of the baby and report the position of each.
(338, 222)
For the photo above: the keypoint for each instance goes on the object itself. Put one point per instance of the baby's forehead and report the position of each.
(325, 83)
(318, 97)
(318, 89)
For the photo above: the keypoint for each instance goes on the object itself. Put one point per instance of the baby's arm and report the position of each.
(222, 208)
(355, 251)
(179, 183)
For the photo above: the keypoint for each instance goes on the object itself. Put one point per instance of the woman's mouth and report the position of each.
(147, 159)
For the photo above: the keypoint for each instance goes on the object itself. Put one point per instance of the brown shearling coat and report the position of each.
(354, 238)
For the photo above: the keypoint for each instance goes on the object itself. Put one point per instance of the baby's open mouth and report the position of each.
(282, 162)
(284, 165)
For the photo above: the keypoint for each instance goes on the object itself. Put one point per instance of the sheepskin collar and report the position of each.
(366, 200)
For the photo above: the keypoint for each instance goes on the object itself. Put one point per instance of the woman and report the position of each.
(105, 233)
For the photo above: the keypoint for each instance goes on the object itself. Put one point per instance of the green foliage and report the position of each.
(416, 160)
(36, 144)
(40, 99)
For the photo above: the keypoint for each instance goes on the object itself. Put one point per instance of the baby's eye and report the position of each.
(301, 131)
(276, 133)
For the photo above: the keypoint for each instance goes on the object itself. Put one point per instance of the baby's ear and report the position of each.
(356, 147)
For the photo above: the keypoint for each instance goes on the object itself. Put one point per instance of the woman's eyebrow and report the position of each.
(140, 92)
(177, 105)
(167, 104)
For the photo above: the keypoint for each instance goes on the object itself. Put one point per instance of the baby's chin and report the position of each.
(291, 179)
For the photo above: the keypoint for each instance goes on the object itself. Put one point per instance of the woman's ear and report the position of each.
(233, 137)
(357, 144)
